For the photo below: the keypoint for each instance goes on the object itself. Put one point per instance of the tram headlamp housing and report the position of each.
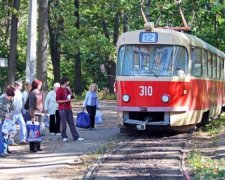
(126, 98)
(165, 98)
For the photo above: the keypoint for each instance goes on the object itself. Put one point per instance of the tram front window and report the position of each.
(151, 60)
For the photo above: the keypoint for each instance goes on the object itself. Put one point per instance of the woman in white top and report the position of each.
(51, 107)
(91, 103)
(25, 93)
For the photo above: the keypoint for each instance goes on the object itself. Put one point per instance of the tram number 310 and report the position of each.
(145, 90)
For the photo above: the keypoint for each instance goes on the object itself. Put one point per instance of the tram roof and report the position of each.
(169, 37)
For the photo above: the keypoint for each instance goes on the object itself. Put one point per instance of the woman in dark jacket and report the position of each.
(35, 108)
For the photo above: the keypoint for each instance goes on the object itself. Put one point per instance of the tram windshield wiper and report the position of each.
(152, 72)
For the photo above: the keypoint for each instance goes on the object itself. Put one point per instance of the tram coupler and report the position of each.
(142, 126)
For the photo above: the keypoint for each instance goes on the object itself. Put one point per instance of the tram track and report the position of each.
(144, 157)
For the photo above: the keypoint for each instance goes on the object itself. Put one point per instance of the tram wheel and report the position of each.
(205, 119)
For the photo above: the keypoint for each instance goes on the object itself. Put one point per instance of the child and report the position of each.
(8, 131)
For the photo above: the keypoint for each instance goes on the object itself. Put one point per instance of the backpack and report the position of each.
(26, 105)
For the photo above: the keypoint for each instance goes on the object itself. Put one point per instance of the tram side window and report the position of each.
(222, 68)
(214, 66)
(196, 69)
(205, 59)
(218, 68)
(180, 61)
(209, 65)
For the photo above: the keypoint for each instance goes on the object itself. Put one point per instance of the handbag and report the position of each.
(98, 117)
(33, 131)
(83, 120)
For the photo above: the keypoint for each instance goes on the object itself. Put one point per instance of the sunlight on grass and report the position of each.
(215, 126)
(206, 167)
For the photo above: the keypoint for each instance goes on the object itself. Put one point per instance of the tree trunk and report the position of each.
(13, 44)
(77, 64)
(116, 28)
(42, 51)
(55, 52)
(125, 23)
(110, 69)
(110, 63)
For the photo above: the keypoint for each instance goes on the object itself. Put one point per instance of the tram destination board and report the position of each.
(148, 37)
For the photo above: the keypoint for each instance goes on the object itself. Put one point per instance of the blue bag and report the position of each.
(83, 120)
(33, 131)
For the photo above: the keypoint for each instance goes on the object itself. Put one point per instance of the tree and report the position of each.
(83, 35)
(54, 37)
(13, 42)
(77, 64)
(42, 51)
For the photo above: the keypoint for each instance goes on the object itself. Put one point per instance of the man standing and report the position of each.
(63, 98)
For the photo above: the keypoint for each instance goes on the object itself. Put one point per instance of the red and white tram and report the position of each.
(167, 78)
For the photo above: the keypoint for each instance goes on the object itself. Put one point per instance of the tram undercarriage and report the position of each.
(141, 121)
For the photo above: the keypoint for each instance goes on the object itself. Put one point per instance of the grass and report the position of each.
(206, 167)
(215, 126)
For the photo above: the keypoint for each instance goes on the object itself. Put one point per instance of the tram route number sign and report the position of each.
(148, 37)
(145, 90)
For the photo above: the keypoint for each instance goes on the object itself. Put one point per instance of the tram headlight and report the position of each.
(165, 98)
(126, 98)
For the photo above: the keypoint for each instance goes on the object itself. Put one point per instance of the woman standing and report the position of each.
(25, 93)
(91, 103)
(35, 108)
(51, 107)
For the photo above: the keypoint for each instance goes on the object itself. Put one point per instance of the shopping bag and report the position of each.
(33, 131)
(98, 117)
(83, 120)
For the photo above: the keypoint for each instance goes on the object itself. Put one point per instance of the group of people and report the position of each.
(30, 105)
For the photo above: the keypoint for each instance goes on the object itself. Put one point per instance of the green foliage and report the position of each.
(215, 126)
(104, 94)
(206, 168)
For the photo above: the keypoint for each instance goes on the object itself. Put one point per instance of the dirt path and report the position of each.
(58, 159)
(73, 160)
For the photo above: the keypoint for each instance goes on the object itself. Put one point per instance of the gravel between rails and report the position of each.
(144, 157)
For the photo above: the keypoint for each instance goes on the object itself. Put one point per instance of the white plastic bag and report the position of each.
(98, 117)
(46, 121)
(9, 127)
